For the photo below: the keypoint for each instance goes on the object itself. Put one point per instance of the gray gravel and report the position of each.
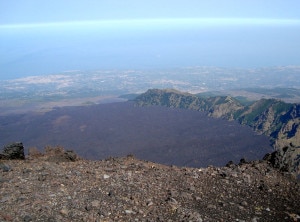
(128, 189)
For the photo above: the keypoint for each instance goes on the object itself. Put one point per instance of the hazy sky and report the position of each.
(41, 37)
(32, 11)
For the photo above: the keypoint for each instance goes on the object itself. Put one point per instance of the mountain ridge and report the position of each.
(274, 118)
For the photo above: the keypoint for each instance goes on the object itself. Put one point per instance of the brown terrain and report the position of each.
(59, 186)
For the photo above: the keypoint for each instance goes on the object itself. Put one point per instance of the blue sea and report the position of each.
(55, 48)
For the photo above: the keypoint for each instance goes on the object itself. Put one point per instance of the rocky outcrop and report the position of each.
(280, 121)
(53, 154)
(276, 119)
(286, 159)
(13, 151)
(289, 133)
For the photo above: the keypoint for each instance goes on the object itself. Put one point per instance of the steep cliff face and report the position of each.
(287, 142)
(266, 116)
(223, 107)
(170, 98)
(280, 121)
(289, 134)
(219, 107)
(274, 118)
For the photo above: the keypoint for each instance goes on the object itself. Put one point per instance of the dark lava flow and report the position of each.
(164, 135)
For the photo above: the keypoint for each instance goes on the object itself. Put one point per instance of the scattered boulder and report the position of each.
(13, 151)
(242, 161)
(286, 159)
(4, 167)
(70, 155)
(53, 154)
(58, 154)
(63, 157)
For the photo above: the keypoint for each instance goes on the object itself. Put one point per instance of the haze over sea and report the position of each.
(47, 48)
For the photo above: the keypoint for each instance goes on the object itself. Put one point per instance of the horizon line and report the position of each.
(209, 21)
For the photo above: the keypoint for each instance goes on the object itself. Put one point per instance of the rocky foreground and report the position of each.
(58, 186)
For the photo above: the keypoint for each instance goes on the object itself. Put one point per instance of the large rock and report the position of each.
(286, 159)
(13, 151)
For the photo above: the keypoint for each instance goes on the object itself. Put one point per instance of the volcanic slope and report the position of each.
(165, 135)
(46, 188)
